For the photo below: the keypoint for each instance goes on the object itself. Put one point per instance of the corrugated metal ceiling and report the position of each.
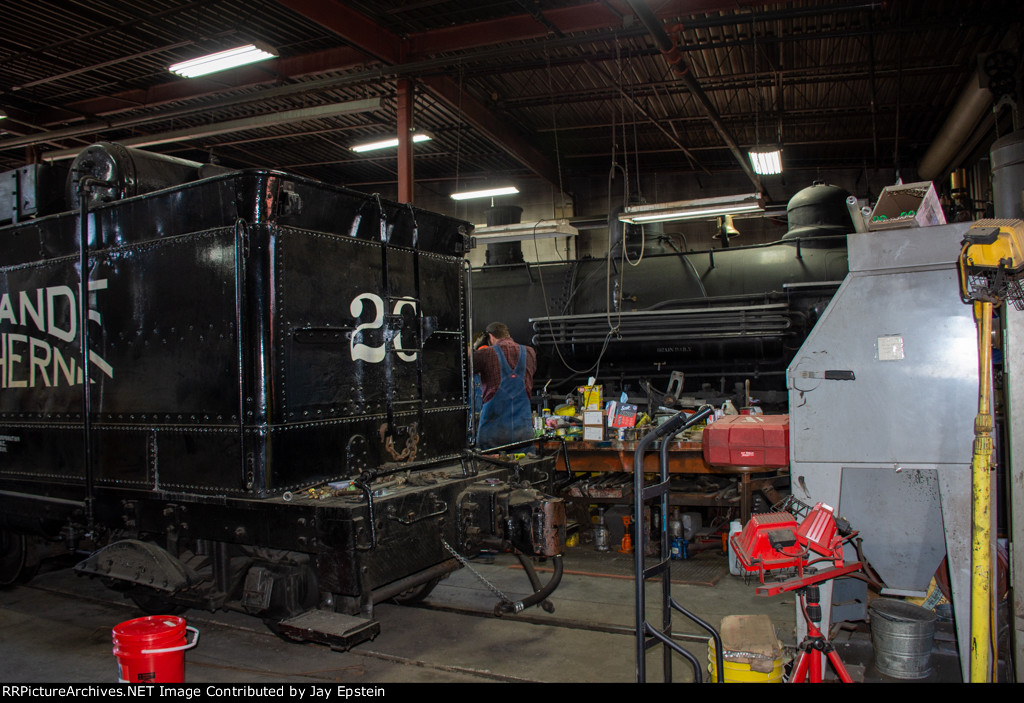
(553, 88)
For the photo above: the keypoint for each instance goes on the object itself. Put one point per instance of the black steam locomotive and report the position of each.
(668, 323)
(247, 392)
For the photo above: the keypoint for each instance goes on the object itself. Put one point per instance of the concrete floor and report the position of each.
(57, 628)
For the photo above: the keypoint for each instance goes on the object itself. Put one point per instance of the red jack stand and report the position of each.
(808, 667)
(627, 539)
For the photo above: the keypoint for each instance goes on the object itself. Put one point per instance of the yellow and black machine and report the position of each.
(991, 266)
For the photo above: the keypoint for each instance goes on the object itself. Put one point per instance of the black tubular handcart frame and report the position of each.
(647, 635)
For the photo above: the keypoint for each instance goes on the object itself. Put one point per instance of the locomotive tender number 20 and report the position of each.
(235, 455)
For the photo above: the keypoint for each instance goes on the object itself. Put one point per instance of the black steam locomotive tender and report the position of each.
(249, 392)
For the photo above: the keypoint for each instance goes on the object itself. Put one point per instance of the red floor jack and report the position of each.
(774, 541)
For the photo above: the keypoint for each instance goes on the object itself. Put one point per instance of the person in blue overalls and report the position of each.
(506, 378)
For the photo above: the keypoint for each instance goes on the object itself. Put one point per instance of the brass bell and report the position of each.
(726, 230)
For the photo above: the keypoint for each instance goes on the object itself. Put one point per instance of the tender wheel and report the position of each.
(15, 566)
(155, 603)
(416, 593)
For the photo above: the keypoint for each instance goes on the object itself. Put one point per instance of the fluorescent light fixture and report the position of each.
(701, 209)
(767, 161)
(524, 231)
(3, 114)
(490, 192)
(223, 60)
(393, 142)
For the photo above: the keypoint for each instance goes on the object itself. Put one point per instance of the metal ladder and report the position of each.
(647, 635)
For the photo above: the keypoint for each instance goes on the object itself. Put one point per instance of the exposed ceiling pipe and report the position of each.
(677, 62)
(182, 135)
(972, 105)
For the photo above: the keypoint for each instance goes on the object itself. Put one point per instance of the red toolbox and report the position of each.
(748, 440)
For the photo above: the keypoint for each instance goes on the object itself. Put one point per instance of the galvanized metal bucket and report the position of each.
(902, 635)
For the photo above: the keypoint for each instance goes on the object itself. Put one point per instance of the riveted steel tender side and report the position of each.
(275, 417)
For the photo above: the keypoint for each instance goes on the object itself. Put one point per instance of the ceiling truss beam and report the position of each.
(367, 36)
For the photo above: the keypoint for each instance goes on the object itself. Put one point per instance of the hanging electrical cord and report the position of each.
(540, 272)
(608, 258)
(554, 128)
(554, 339)
(636, 137)
(639, 191)
(757, 92)
(551, 329)
(458, 133)
(686, 260)
(643, 247)
(613, 328)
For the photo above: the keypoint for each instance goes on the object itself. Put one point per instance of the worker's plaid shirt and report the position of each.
(485, 363)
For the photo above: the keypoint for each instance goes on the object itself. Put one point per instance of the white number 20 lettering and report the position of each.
(365, 352)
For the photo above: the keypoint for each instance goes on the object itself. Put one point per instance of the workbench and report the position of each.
(684, 457)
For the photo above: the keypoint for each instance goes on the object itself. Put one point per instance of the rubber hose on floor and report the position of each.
(537, 596)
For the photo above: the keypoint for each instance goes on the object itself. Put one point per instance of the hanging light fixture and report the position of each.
(486, 193)
(701, 209)
(544, 229)
(223, 60)
(766, 160)
(390, 142)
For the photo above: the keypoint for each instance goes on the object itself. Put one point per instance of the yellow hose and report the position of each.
(981, 537)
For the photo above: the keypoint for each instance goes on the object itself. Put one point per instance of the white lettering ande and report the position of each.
(31, 359)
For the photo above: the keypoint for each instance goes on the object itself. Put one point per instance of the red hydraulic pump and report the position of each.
(775, 540)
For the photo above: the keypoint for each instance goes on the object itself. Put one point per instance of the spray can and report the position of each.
(600, 532)
(735, 527)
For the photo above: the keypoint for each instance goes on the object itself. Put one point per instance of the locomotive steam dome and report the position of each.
(818, 210)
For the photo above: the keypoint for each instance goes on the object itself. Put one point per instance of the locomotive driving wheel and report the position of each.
(15, 566)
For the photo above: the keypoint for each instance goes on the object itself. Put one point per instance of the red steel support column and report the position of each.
(405, 171)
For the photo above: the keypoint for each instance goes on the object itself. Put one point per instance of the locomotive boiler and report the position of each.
(728, 320)
(248, 392)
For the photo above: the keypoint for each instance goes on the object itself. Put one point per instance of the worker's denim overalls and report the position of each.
(506, 417)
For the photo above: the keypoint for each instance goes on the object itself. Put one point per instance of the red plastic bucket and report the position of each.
(152, 649)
